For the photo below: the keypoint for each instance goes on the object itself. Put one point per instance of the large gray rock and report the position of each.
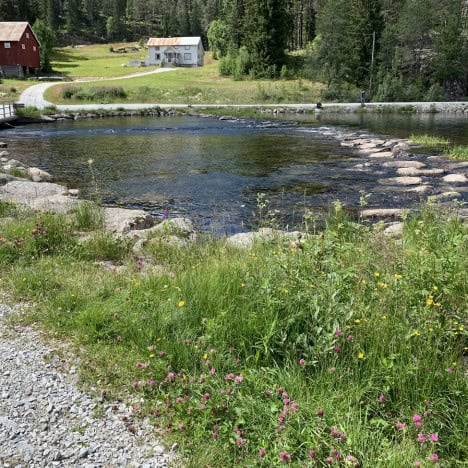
(455, 178)
(415, 164)
(38, 175)
(43, 196)
(413, 171)
(401, 181)
(382, 154)
(123, 221)
(247, 239)
(169, 229)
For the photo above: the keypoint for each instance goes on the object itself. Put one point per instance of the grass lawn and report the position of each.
(201, 85)
(10, 89)
(95, 61)
(346, 350)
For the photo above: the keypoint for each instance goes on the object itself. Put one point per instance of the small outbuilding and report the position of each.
(175, 51)
(19, 50)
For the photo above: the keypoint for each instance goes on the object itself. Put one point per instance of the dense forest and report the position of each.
(394, 49)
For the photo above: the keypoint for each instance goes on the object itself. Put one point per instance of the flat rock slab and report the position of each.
(247, 239)
(412, 171)
(24, 191)
(401, 181)
(421, 189)
(38, 175)
(382, 213)
(455, 178)
(382, 154)
(122, 220)
(415, 164)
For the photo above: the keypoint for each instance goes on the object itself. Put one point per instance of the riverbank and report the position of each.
(341, 345)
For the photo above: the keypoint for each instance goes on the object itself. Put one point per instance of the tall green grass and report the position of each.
(346, 349)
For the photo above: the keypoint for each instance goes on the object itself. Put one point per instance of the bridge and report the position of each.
(7, 112)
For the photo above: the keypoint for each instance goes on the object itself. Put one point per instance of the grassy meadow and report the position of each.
(183, 85)
(344, 350)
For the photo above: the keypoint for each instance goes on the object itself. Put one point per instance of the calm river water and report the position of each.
(212, 170)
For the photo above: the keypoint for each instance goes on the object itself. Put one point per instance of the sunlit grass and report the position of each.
(201, 85)
(429, 141)
(458, 152)
(333, 347)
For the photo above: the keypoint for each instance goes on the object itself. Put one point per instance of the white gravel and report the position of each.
(47, 421)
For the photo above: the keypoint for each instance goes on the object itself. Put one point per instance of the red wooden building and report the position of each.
(19, 50)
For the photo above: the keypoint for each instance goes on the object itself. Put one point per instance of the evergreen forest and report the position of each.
(393, 49)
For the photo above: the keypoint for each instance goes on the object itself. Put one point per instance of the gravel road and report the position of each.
(47, 421)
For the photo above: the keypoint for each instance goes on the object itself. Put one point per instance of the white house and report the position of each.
(178, 51)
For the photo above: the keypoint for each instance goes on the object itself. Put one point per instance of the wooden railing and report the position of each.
(7, 112)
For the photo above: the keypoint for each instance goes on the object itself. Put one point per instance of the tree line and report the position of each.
(393, 49)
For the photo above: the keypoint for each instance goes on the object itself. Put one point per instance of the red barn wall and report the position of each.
(17, 55)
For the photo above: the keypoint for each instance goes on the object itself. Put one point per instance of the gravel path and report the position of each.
(46, 421)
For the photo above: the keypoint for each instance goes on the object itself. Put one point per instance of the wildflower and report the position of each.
(170, 376)
(329, 460)
(229, 376)
(416, 333)
(312, 453)
(381, 398)
(181, 426)
(262, 452)
(434, 457)
(357, 321)
(400, 426)
(384, 317)
(421, 437)
(214, 436)
(331, 370)
(417, 463)
(377, 274)
(352, 459)
(350, 338)
(207, 396)
(360, 356)
(302, 362)
(294, 406)
(430, 300)
(181, 303)
(338, 332)
(363, 281)
(162, 353)
(151, 356)
(434, 437)
(286, 401)
(417, 420)
(397, 276)
(116, 316)
(202, 407)
(450, 370)
(285, 457)
(134, 384)
(239, 378)
(337, 349)
(320, 412)
(151, 383)
(240, 441)
(212, 371)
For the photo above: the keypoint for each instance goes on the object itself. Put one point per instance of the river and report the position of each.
(212, 170)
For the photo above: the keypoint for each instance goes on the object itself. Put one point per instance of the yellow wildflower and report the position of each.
(397, 276)
(357, 321)
(384, 317)
(377, 274)
(363, 281)
(435, 288)
(181, 303)
(360, 356)
(151, 356)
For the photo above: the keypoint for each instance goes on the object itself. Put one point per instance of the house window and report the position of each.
(27, 35)
(34, 48)
(156, 48)
(158, 56)
(187, 57)
(7, 45)
(187, 47)
(23, 46)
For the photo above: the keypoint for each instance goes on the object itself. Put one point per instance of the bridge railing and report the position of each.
(7, 111)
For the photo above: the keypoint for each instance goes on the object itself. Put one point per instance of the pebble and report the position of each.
(47, 421)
